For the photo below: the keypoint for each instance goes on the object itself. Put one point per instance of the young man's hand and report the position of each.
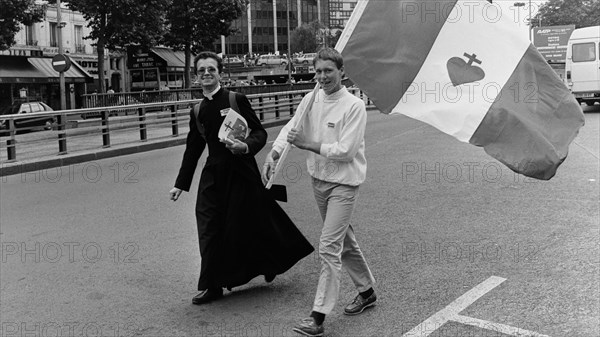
(296, 138)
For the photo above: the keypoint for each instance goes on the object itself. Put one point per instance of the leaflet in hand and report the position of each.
(234, 126)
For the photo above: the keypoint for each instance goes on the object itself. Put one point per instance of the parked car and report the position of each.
(305, 58)
(26, 108)
(264, 60)
(233, 62)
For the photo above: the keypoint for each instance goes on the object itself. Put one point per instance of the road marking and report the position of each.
(505, 329)
(451, 313)
(453, 309)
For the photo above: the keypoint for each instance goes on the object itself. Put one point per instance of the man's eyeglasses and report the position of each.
(211, 70)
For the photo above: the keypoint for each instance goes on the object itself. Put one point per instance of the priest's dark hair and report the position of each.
(208, 55)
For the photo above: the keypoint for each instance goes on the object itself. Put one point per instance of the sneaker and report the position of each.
(308, 327)
(360, 304)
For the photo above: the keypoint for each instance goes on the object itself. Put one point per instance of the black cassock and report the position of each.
(242, 231)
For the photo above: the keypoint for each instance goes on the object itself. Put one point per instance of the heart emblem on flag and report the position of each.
(461, 72)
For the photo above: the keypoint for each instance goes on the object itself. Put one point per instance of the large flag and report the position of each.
(466, 68)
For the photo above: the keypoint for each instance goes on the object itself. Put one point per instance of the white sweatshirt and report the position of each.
(338, 122)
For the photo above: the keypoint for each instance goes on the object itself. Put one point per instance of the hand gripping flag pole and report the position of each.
(346, 33)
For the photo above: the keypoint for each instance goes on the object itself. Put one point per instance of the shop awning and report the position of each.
(18, 70)
(175, 59)
(75, 73)
(37, 70)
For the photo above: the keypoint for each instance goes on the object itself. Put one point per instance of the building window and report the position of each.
(53, 34)
(345, 14)
(335, 6)
(79, 46)
(30, 36)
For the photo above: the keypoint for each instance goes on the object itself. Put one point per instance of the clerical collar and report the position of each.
(212, 93)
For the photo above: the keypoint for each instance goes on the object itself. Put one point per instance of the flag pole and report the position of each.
(339, 46)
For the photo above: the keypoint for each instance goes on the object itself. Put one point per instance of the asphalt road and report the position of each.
(97, 248)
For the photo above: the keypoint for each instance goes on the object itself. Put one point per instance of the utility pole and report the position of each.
(289, 48)
(59, 25)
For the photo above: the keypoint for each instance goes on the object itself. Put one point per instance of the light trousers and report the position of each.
(337, 245)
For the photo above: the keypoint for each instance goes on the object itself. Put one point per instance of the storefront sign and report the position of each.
(21, 52)
(50, 50)
(140, 59)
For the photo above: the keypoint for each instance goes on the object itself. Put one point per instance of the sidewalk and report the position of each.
(39, 150)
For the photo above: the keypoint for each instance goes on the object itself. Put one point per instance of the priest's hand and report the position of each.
(175, 193)
(269, 166)
(235, 146)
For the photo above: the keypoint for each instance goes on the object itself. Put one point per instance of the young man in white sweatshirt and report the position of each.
(332, 132)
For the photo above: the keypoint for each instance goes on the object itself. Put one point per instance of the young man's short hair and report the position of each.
(208, 55)
(330, 54)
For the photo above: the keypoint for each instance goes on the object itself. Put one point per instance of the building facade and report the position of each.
(263, 28)
(26, 72)
(339, 13)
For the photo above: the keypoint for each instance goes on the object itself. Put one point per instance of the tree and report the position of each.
(13, 14)
(335, 38)
(304, 38)
(119, 23)
(193, 25)
(581, 13)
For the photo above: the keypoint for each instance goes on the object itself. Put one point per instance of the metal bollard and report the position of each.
(62, 135)
(142, 120)
(11, 149)
(105, 129)
(260, 105)
(174, 125)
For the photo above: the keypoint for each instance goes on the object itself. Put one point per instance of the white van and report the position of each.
(582, 66)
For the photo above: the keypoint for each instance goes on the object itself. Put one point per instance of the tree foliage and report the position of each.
(16, 12)
(119, 23)
(304, 38)
(308, 38)
(193, 25)
(581, 13)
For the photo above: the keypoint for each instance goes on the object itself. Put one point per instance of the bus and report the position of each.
(582, 67)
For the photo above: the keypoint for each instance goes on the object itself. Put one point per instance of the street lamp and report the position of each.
(521, 4)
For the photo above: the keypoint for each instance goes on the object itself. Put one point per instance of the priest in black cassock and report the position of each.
(242, 231)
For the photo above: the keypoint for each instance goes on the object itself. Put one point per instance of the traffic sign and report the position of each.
(61, 62)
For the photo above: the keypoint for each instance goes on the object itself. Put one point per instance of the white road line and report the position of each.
(453, 309)
(497, 327)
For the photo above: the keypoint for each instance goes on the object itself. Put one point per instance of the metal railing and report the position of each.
(119, 125)
(155, 96)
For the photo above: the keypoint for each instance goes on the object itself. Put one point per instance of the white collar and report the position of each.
(212, 93)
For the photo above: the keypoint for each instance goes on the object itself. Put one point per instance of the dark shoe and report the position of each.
(269, 278)
(360, 304)
(207, 295)
(308, 327)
